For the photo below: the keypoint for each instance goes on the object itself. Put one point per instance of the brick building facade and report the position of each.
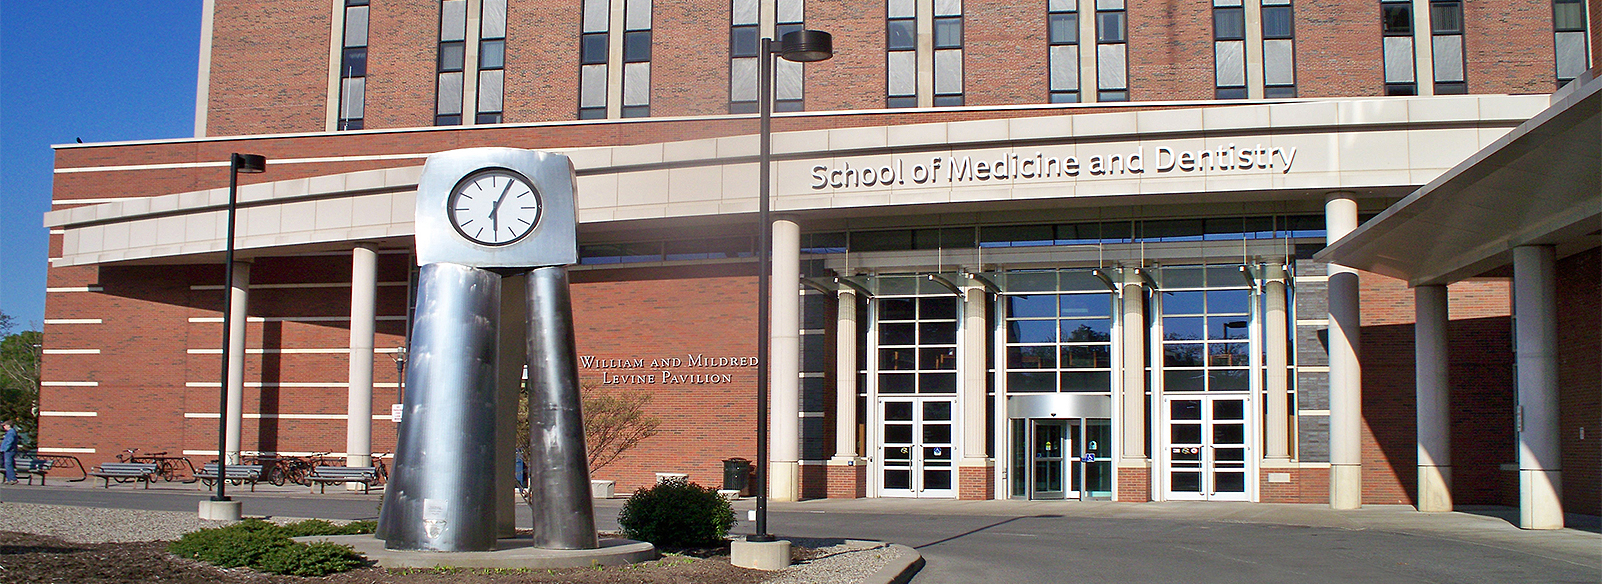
(1180, 251)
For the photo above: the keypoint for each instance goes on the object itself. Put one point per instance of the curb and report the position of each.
(899, 570)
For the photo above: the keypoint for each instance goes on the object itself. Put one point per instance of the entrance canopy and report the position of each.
(1537, 185)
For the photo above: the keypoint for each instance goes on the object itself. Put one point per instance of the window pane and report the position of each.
(948, 33)
(1183, 380)
(1086, 330)
(1570, 54)
(743, 41)
(936, 410)
(450, 93)
(897, 383)
(1033, 305)
(1183, 328)
(1032, 331)
(597, 13)
(948, 7)
(592, 87)
(1063, 28)
(1062, 5)
(1568, 15)
(1182, 355)
(1065, 68)
(937, 333)
(353, 95)
(493, 20)
(637, 15)
(450, 56)
(1110, 27)
(1448, 55)
(592, 49)
(1110, 67)
(901, 35)
(1084, 305)
(453, 20)
(1228, 301)
(898, 360)
(743, 12)
(1188, 302)
(492, 54)
(789, 11)
(354, 62)
(787, 77)
(636, 84)
(948, 71)
(1032, 357)
(1396, 19)
(937, 383)
(1086, 357)
(903, 72)
(356, 26)
(743, 79)
(1277, 22)
(1398, 59)
(1278, 64)
(937, 433)
(1229, 61)
(1031, 382)
(637, 46)
(1098, 381)
(489, 90)
(1446, 18)
(942, 308)
(1229, 24)
(902, 9)
(1227, 328)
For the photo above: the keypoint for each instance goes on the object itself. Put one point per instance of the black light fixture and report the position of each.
(237, 163)
(802, 46)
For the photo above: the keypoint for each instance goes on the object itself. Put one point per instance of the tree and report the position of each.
(19, 376)
(614, 422)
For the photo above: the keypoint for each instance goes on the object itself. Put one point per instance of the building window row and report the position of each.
(1446, 46)
(1569, 39)
(353, 66)
(594, 44)
(745, 33)
(901, 53)
(491, 62)
(636, 58)
(1062, 52)
(948, 53)
(1396, 30)
(1112, 51)
(1279, 49)
(1229, 49)
(452, 62)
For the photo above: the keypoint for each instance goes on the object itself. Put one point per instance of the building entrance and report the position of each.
(1209, 454)
(915, 450)
(1062, 459)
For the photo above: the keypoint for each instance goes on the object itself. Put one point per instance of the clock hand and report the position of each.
(494, 214)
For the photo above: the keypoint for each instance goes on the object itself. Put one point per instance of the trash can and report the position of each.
(737, 475)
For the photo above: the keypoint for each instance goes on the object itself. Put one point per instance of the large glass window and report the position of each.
(1446, 43)
(948, 52)
(1112, 44)
(593, 46)
(1279, 50)
(1062, 50)
(636, 58)
(1206, 328)
(1396, 29)
(917, 340)
(353, 67)
(1569, 39)
(901, 53)
(1059, 332)
(451, 62)
(491, 62)
(1229, 49)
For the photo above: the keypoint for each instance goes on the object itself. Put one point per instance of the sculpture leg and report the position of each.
(559, 472)
(441, 492)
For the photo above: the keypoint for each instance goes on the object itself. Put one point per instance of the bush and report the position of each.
(316, 559)
(267, 547)
(677, 513)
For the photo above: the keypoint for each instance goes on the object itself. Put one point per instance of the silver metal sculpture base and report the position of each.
(558, 469)
(509, 553)
(441, 495)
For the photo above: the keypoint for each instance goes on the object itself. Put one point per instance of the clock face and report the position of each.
(494, 206)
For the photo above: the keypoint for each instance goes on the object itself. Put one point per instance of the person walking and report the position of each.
(8, 450)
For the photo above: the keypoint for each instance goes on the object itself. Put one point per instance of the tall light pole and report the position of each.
(237, 163)
(802, 46)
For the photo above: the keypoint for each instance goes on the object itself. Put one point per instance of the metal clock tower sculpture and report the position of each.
(484, 214)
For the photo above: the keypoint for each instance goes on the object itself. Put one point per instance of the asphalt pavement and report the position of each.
(1070, 541)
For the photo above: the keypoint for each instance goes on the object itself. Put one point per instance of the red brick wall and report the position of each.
(1307, 485)
(1134, 485)
(269, 67)
(542, 62)
(855, 77)
(1338, 49)
(847, 482)
(976, 483)
(1508, 46)
(1579, 390)
(1004, 32)
(402, 58)
(1170, 50)
(672, 313)
(696, 81)
(1480, 374)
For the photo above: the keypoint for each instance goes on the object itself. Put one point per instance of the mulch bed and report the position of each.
(39, 558)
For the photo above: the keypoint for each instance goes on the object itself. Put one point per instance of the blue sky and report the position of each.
(102, 71)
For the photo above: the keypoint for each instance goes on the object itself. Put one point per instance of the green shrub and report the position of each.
(316, 559)
(677, 513)
(229, 547)
(267, 547)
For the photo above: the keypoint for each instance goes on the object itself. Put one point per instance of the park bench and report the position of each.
(125, 471)
(323, 475)
(238, 473)
(32, 465)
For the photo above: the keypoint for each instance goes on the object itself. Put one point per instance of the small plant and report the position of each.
(267, 547)
(677, 513)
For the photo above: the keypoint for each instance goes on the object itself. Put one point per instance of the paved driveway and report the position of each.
(1008, 541)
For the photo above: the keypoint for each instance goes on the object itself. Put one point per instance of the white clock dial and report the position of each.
(494, 206)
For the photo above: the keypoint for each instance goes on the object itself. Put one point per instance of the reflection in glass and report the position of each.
(1190, 302)
(936, 410)
(1032, 306)
(1086, 331)
(1186, 482)
(1032, 331)
(1187, 328)
(1088, 381)
(1182, 355)
(1229, 433)
(937, 433)
(937, 333)
(1185, 409)
(1184, 380)
(1229, 482)
(897, 309)
(897, 359)
(937, 382)
(1032, 357)
(897, 383)
(1085, 305)
(899, 333)
(1031, 381)
(937, 308)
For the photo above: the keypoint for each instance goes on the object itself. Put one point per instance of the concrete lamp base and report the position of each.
(221, 510)
(763, 555)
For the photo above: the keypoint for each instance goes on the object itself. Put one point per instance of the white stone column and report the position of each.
(238, 307)
(363, 316)
(1345, 373)
(1535, 336)
(1431, 392)
(1276, 349)
(1134, 338)
(845, 379)
(784, 364)
(972, 389)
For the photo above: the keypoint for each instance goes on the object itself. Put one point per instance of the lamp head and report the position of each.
(805, 46)
(250, 163)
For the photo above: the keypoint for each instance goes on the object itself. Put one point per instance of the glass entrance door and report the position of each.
(1051, 448)
(1209, 457)
(915, 448)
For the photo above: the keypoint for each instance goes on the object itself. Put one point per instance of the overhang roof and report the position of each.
(1540, 184)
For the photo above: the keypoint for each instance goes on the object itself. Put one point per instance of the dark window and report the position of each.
(1110, 27)
(492, 54)
(1229, 24)
(637, 46)
(901, 101)
(448, 120)
(743, 41)
(1568, 16)
(451, 56)
(1396, 19)
(488, 118)
(948, 33)
(947, 100)
(1279, 91)
(636, 111)
(1112, 95)
(1231, 93)
(354, 62)
(592, 113)
(1063, 28)
(1446, 17)
(901, 35)
(1277, 22)
(592, 49)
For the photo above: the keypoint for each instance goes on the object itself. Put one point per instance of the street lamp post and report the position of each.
(800, 46)
(237, 163)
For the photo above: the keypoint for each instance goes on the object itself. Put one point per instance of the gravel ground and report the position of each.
(817, 561)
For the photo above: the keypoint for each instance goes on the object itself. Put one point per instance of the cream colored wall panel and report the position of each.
(693, 208)
(642, 188)
(298, 216)
(805, 141)
(1104, 124)
(696, 183)
(597, 191)
(402, 209)
(370, 210)
(978, 130)
(735, 146)
(169, 230)
(1438, 150)
(1444, 108)
(588, 158)
(1220, 118)
(291, 188)
(1371, 111)
(637, 154)
(740, 181)
(691, 150)
(1059, 126)
(1366, 151)
(1173, 120)
(849, 138)
(640, 212)
(1303, 114)
(860, 200)
(800, 203)
(916, 134)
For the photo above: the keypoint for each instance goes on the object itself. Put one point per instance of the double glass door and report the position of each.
(915, 451)
(1209, 453)
(1062, 458)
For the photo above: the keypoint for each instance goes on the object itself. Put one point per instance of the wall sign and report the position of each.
(687, 370)
(1046, 164)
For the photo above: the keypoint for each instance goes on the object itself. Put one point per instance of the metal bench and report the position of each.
(238, 473)
(34, 464)
(28, 464)
(125, 471)
(323, 475)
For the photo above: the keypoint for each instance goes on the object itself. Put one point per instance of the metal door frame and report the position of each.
(1209, 467)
